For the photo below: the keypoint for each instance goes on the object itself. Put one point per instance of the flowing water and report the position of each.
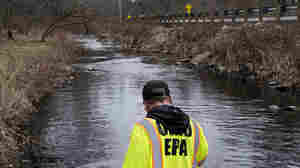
(87, 124)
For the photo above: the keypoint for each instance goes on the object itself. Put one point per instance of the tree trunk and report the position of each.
(10, 35)
(86, 27)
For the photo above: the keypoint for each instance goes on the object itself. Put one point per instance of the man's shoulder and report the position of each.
(140, 132)
(193, 121)
(145, 121)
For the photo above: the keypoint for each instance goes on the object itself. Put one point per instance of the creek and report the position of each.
(88, 124)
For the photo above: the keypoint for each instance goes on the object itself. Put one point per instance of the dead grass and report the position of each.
(28, 70)
(265, 49)
(130, 31)
(268, 50)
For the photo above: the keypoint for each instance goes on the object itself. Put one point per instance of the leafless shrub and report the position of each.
(22, 83)
(12, 102)
(264, 48)
(267, 50)
(8, 73)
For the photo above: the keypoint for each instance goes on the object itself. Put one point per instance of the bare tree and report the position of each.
(6, 15)
(76, 16)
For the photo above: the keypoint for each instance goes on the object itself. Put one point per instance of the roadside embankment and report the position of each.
(29, 70)
(261, 52)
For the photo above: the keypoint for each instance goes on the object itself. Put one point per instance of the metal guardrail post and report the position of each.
(269, 14)
(253, 15)
(228, 16)
(288, 13)
(240, 16)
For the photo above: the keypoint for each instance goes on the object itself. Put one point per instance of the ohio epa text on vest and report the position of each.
(173, 145)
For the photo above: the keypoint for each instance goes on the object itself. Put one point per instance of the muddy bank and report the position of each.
(29, 70)
(264, 52)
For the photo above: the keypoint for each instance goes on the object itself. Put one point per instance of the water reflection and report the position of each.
(88, 124)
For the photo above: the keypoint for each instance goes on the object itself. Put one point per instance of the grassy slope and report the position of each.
(23, 49)
(28, 70)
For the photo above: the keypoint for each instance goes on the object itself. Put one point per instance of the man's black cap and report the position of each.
(155, 90)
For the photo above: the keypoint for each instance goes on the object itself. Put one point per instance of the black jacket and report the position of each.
(173, 120)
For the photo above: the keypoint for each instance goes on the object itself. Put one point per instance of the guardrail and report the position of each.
(252, 15)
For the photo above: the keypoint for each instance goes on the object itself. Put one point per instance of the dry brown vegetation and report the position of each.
(40, 28)
(267, 50)
(29, 70)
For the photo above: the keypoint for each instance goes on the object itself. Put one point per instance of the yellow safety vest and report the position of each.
(149, 149)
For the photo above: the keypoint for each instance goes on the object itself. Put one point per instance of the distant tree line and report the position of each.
(58, 7)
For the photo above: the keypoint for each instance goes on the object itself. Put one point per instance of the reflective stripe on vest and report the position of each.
(196, 144)
(156, 148)
(156, 144)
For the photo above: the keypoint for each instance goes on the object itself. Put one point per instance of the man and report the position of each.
(167, 137)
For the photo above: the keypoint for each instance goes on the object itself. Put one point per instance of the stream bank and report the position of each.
(261, 53)
(29, 71)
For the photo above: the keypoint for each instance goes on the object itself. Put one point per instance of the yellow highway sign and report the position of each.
(188, 8)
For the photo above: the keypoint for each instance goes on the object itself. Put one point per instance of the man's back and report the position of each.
(151, 147)
(166, 138)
